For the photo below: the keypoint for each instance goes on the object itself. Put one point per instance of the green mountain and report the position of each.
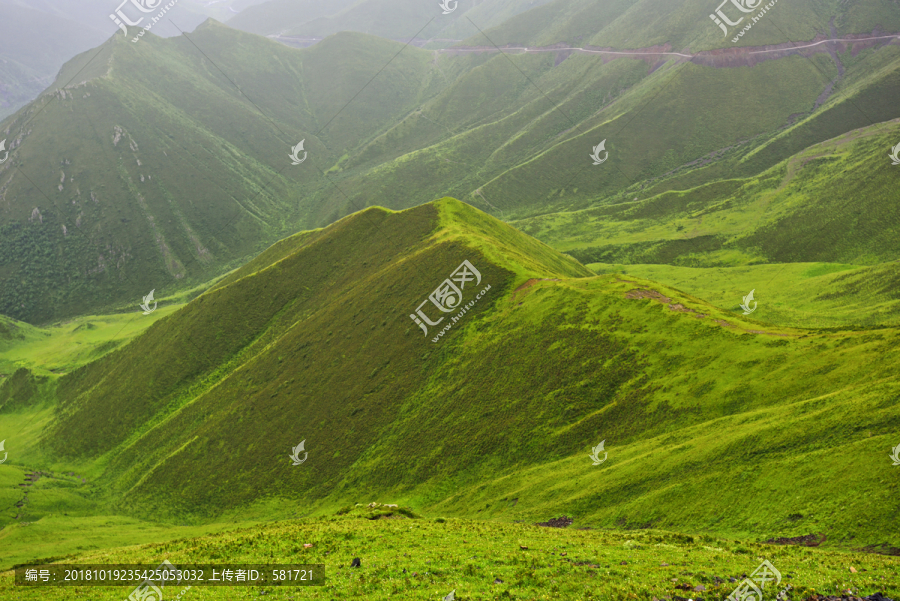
(110, 203)
(37, 37)
(620, 24)
(825, 203)
(312, 341)
(819, 214)
(114, 189)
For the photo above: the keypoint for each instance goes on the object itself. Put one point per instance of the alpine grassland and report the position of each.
(409, 556)
(826, 203)
(144, 167)
(700, 408)
(449, 351)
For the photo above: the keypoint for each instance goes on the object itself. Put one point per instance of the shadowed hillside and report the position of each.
(114, 188)
(313, 342)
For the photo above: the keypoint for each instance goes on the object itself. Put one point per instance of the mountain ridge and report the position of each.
(422, 421)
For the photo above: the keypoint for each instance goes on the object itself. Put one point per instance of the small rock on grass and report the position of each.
(852, 570)
(497, 581)
(451, 596)
(355, 563)
(307, 545)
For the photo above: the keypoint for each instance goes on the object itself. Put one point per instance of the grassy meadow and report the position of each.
(722, 430)
(409, 556)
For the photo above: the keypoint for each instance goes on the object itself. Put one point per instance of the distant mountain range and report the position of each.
(38, 36)
(160, 164)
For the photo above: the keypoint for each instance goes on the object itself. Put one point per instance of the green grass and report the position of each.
(509, 134)
(829, 203)
(804, 295)
(691, 398)
(65, 346)
(427, 557)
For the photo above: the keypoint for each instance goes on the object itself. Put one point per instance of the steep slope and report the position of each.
(160, 164)
(134, 190)
(833, 202)
(313, 342)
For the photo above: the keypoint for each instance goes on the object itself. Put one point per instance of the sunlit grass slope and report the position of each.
(407, 556)
(808, 295)
(833, 202)
(195, 418)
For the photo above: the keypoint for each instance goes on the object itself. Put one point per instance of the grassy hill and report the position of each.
(110, 204)
(813, 234)
(313, 341)
(37, 37)
(115, 188)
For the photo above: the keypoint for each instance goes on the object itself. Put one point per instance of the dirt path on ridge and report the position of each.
(722, 58)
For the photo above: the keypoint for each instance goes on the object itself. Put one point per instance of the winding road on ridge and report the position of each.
(743, 56)
(720, 57)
